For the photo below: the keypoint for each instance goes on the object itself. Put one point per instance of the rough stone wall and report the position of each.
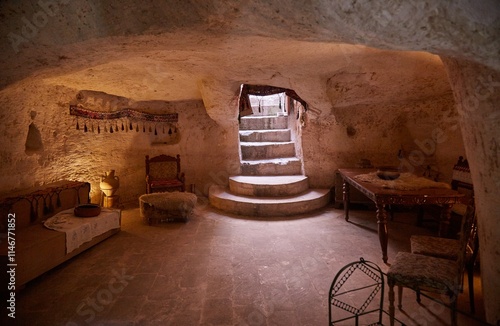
(427, 131)
(371, 108)
(477, 92)
(371, 119)
(377, 107)
(73, 154)
(144, 50)
(434, 26)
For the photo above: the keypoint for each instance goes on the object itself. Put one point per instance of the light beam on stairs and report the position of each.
(272, 183)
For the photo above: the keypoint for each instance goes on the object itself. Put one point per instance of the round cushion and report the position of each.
(167, 206)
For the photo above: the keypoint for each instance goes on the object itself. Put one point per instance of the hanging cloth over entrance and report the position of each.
(263, 90)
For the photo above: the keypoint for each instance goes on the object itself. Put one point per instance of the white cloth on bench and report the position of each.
(83, 229)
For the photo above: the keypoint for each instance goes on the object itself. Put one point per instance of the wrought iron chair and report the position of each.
(357, 295)
(431, 274)
(163, 173)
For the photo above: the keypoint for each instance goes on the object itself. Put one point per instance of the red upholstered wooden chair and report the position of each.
(163, 173)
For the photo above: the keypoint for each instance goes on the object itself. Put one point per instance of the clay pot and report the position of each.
(109, 183)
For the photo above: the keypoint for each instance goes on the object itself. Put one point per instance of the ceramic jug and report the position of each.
(109, 183)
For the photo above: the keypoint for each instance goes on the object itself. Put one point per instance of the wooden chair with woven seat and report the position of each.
(163, 173)
(431, 274)
(449, 248)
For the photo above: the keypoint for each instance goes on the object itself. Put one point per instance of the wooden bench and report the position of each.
(38, 249)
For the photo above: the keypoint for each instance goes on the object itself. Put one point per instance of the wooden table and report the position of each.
(385, 196)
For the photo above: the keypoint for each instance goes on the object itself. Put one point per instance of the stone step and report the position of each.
(263, 122)
(308, 201)
(275, 135)
(278, 166)
(268, 186)
(266, 150)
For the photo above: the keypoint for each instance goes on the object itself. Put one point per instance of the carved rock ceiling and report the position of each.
(162, 50)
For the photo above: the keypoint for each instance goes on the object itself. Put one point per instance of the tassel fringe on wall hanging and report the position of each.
(123, 120)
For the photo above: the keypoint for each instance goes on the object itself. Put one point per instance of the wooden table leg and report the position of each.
(382, 229)
(346, 198)
(445, 221)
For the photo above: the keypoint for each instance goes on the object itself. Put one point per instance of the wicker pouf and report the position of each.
(167, 206)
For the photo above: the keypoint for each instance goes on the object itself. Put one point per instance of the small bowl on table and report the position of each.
(87, 210)
(388, 173)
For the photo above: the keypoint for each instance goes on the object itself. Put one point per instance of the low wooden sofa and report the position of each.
(38, 249)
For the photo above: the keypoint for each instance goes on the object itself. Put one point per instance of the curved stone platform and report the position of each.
(310, 200)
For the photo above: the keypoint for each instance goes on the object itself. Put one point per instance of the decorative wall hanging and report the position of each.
(124, 120)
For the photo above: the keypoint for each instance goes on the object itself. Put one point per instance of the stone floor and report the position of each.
(220, 269)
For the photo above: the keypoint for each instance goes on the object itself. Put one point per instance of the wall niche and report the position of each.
(34, 142)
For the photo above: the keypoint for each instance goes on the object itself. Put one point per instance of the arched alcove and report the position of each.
(34, 142)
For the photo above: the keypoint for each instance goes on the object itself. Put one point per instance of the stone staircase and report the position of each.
(272, 183)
